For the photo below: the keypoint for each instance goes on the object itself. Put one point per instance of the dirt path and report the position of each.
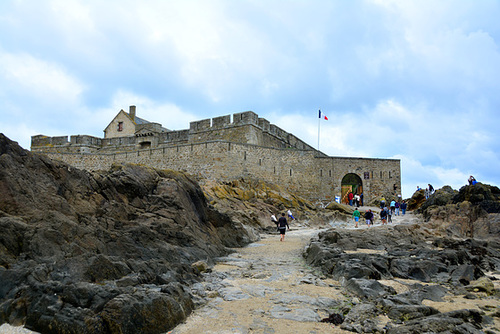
(268, 289)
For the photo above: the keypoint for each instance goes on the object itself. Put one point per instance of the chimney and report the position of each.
(132, 112)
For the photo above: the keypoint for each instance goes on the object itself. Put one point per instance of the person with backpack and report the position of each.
(282, 225)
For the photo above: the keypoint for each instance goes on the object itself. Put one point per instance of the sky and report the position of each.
(416, 80)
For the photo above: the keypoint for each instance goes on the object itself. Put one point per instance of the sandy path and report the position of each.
(277, 286)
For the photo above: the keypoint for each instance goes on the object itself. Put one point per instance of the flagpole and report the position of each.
(319, 126)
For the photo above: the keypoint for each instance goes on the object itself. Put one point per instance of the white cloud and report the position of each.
(416, 174)
(46, 82)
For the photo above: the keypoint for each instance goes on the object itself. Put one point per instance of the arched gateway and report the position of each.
(351, 183)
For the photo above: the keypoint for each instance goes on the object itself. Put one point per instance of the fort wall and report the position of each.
(300, 171)
(223, 150)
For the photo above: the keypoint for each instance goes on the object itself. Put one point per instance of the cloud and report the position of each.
(25, 76)
(416, 79)
(417, 174)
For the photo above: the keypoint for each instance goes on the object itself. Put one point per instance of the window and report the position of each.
(367, 175)
(120, 126)
(145, 144)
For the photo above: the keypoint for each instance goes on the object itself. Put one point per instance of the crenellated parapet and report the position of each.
(225, 148)
(61, 144)
(245, 128)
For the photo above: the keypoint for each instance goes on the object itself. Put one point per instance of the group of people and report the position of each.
(368, 216)
(386, 213)
(428, 191)
(282, 223)
(355, 199)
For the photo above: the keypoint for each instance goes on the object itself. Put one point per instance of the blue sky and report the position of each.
(412, 80)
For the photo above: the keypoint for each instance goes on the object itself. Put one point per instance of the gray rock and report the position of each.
(301, 314)
(461, 321)
(369, 289)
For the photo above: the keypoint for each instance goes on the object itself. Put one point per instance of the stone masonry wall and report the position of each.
(300, 171)
(225, 150)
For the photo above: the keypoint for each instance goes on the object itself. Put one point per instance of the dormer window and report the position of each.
(120, 126)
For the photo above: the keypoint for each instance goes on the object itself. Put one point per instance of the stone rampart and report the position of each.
(218, 149)
(300, 171)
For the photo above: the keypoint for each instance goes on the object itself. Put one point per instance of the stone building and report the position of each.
(226, 149)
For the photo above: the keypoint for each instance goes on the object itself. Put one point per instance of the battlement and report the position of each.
(224, 148)
(245, 128)
(242, 118)
(60, 144)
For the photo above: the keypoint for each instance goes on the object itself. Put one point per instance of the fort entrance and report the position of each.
(350, 183)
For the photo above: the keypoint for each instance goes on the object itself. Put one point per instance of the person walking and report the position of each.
(382, 203)
(356, 214)
(383, 216)
(393, 207)
(389, 215)
(282, 225)
(403, 207)
(350, 197)
(397, 208)
(369, 217)
(289, 213)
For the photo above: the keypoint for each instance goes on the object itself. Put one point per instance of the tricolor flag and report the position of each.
(322, 116)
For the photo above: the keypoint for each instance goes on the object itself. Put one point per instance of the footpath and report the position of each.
(267, 288)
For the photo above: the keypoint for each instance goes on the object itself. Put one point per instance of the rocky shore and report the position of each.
(139, 250)
(433, 269)
(109, 252)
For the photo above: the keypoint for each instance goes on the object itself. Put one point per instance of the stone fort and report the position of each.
(224, 149)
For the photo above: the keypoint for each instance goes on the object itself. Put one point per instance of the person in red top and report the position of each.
(350, 196)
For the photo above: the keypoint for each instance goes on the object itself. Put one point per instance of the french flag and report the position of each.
(322, 116)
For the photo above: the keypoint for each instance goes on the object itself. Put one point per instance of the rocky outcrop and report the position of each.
(473, 211)
(407, 252)
(107, 252)
(254, 201)
(363, 259)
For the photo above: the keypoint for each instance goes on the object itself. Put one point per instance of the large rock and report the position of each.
(404, 251)
(101, 252)
(461, 321)
(486, 196)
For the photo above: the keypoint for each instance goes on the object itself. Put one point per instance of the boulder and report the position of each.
(483, 284)
(368, 288)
